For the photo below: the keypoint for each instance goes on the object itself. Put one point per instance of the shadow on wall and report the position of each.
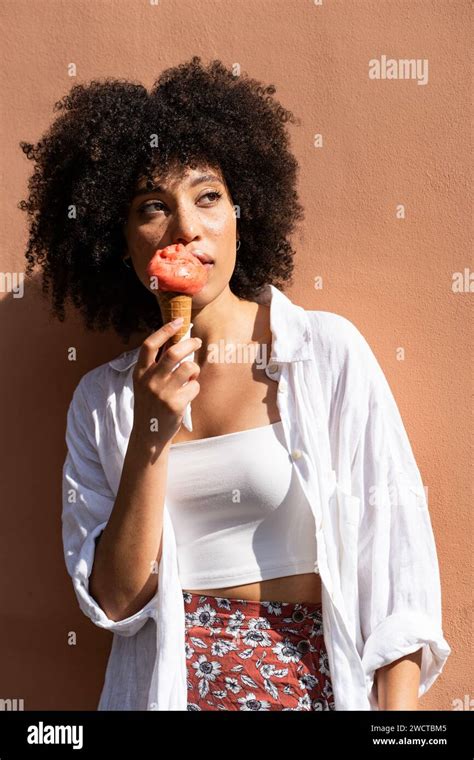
(41, 617)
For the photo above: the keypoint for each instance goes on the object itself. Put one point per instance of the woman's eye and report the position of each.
(147, 206)
(214, 195)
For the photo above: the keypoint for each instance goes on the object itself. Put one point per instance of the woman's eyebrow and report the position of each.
(193, 183)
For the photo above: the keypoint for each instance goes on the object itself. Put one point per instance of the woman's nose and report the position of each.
(184, 225)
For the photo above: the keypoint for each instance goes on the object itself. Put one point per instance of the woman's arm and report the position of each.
(123, 577)
(398, 683)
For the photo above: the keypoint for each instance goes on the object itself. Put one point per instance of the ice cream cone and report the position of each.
(174, 305)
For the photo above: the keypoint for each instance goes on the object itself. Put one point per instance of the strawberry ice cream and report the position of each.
(179, 276)
(177, 270)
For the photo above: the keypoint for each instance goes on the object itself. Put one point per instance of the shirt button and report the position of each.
(273, 369)
(296, 454)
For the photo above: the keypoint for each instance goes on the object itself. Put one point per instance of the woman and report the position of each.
(241, 564)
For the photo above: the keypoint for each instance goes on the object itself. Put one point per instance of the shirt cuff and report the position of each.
(398, 635)
(128, 626)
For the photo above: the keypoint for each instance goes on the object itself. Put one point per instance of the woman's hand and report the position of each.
(162, 392)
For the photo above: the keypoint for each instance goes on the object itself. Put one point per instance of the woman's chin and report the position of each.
(201, 299)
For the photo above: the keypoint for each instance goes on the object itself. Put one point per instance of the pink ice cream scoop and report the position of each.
(180, 276)
(177, 270)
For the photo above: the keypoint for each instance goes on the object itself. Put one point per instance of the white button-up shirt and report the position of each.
(377, 558)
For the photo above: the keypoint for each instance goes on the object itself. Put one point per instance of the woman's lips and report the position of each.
(203, 257)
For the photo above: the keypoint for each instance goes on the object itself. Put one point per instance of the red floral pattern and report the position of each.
(251, 655)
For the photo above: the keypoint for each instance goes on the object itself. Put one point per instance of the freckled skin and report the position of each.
(187, 215)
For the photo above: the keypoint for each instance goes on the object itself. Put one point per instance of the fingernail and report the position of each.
(178, 321)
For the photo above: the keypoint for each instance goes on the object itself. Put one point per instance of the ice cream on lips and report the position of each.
(180, 276)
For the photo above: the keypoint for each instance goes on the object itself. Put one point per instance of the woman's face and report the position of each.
(192, 207)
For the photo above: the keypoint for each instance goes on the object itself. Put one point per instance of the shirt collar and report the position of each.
(288, 322)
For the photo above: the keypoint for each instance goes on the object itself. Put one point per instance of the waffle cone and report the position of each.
(174, 305)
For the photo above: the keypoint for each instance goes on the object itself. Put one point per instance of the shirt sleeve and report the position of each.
(398, 574)
(87, 504)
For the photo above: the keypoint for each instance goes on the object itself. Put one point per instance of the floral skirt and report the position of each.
(255, 655)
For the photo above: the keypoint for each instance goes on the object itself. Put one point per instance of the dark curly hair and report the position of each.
(87, 166)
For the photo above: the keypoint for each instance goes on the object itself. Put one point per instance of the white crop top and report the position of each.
(238, 511)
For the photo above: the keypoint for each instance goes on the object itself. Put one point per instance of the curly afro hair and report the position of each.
(88, 163)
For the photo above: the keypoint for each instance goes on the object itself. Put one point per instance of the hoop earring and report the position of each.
(125, 262)
(238, 245)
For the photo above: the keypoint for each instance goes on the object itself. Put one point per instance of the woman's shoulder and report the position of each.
(349, 367)
(337, 339)
(125, 360)
(98, 383)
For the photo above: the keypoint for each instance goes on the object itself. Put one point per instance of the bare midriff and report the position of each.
(305, 587)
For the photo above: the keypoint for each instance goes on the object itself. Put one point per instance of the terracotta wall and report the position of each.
(386, 144)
